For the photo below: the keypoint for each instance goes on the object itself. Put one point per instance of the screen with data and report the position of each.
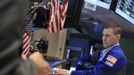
(125, 8)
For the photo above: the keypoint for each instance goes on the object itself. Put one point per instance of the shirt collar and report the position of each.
(114, 45)
(107, 49)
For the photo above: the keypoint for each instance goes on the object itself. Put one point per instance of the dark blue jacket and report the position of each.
(113, 61)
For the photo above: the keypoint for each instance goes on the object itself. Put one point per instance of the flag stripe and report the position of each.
(26, 44)
(26, 39)
(27, 52)
(57, 15)
(26, 49)
(63, 10)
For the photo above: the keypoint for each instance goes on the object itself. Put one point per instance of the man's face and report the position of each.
(109, 38)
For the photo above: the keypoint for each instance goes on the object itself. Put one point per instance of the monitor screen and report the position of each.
(104, 3)
(125, 8)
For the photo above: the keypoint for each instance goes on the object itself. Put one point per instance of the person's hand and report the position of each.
(61, 71)
(43, 67)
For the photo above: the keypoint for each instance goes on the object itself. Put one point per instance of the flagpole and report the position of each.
(44, 1)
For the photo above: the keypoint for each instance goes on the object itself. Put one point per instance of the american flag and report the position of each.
(57, 15)
(111, 59)
(26, 39)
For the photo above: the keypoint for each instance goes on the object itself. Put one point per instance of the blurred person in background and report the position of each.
(12, 16)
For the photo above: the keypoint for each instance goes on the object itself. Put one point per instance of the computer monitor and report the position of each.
(102, 3)
(125, 8)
